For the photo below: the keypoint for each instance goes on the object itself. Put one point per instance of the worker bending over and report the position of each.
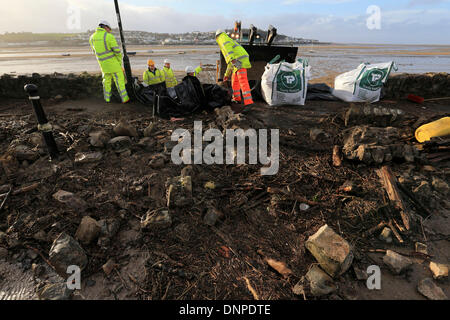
(109, 57)
(153, 75)
(238, 61)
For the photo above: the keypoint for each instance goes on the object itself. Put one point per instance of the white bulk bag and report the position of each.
(364, 83)
(285, 83)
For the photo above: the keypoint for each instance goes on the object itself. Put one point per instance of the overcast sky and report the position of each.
(400, 21)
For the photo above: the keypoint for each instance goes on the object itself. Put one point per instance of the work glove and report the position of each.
(225, 79)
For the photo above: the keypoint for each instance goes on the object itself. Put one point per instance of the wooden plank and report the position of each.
(389, 183)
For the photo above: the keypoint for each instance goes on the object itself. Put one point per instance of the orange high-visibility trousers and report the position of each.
(239, 81)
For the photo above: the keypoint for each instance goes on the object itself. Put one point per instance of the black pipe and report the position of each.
(43, 125)
(126, 60)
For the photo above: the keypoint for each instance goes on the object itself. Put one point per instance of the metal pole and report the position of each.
(43, 125)
(126, 60)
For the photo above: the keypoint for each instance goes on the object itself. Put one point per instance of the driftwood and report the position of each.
(389, 183)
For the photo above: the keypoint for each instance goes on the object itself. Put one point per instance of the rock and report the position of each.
(317, 134)
(303, 206)
(3, 253)
(299, 289)
(88, 157)
(149, 129)
(440, 185)
(109, 227)
(88, 230)
(360, 274)
(147, 143)
(156, 220)
(22, 152)
(156, 163)
(211, 216)
(109, 266)
(374, 115)
(125, 129)
(430, 290)
(71, 200)
(40, 236)
(66, 251)
(210, 185)
(54, 291)
(396, 262)
(120, 144)
(421, 247)
(386, 235)
(36, 139)
(38, 270)
(320, 283)
(179, 191)
(439, 270)
(99, 138)
(333, 253)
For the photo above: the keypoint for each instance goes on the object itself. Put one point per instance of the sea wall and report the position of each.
(430, 85)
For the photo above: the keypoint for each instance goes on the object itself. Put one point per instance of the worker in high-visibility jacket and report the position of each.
(153, 75)
(171, 80)
(238, 61)
(109, 57)
(194, 72)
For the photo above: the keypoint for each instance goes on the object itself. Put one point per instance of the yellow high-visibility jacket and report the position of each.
(171, 80)
(232, 50)
(107, 51)
(152, 78)
(197, 71)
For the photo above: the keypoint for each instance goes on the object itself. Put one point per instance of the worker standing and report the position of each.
(153, 75)
(171, 80)
(109, 57)
(238, 61)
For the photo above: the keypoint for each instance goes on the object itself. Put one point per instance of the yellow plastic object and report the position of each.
(438, 128)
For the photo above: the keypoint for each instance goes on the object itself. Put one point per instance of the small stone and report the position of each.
(3, 253)
(99, 138)
(109, 227)
(303, 206)
(88, 230)
(109, 266)
(157, 163)
(439, 270)
(54, 291)
(120, 144)
(147, 143)
(210, 185)
(396, 262)
(22, 152)
(211, 216)
(88, 157)
(333, 253)
(317, 134)
(386, 235)
(71, 200)
(125, 129)
(156, 220)
(430, 290)
(440, 185)
(40, 236)
(149, 129)
(421, 247)
(66, 251)
(320, 283)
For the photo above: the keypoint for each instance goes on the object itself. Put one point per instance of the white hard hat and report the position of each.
(219, 31)
(166, 61)
(189, 69)
(105, 23)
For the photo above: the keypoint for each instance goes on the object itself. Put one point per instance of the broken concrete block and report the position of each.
(333, 253)
(88, 157)
(429, 289)
(125, 129)
(320, 283)
(396, 262)
(154, 220)
(65, 252)
(439, 270)
(71, 200)
(88, 230)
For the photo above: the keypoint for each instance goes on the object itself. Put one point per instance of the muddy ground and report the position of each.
(191, 260)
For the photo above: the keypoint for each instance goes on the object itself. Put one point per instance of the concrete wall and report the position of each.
(430, 85)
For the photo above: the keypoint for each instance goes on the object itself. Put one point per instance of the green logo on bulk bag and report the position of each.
(289, 81)
(373, 79)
